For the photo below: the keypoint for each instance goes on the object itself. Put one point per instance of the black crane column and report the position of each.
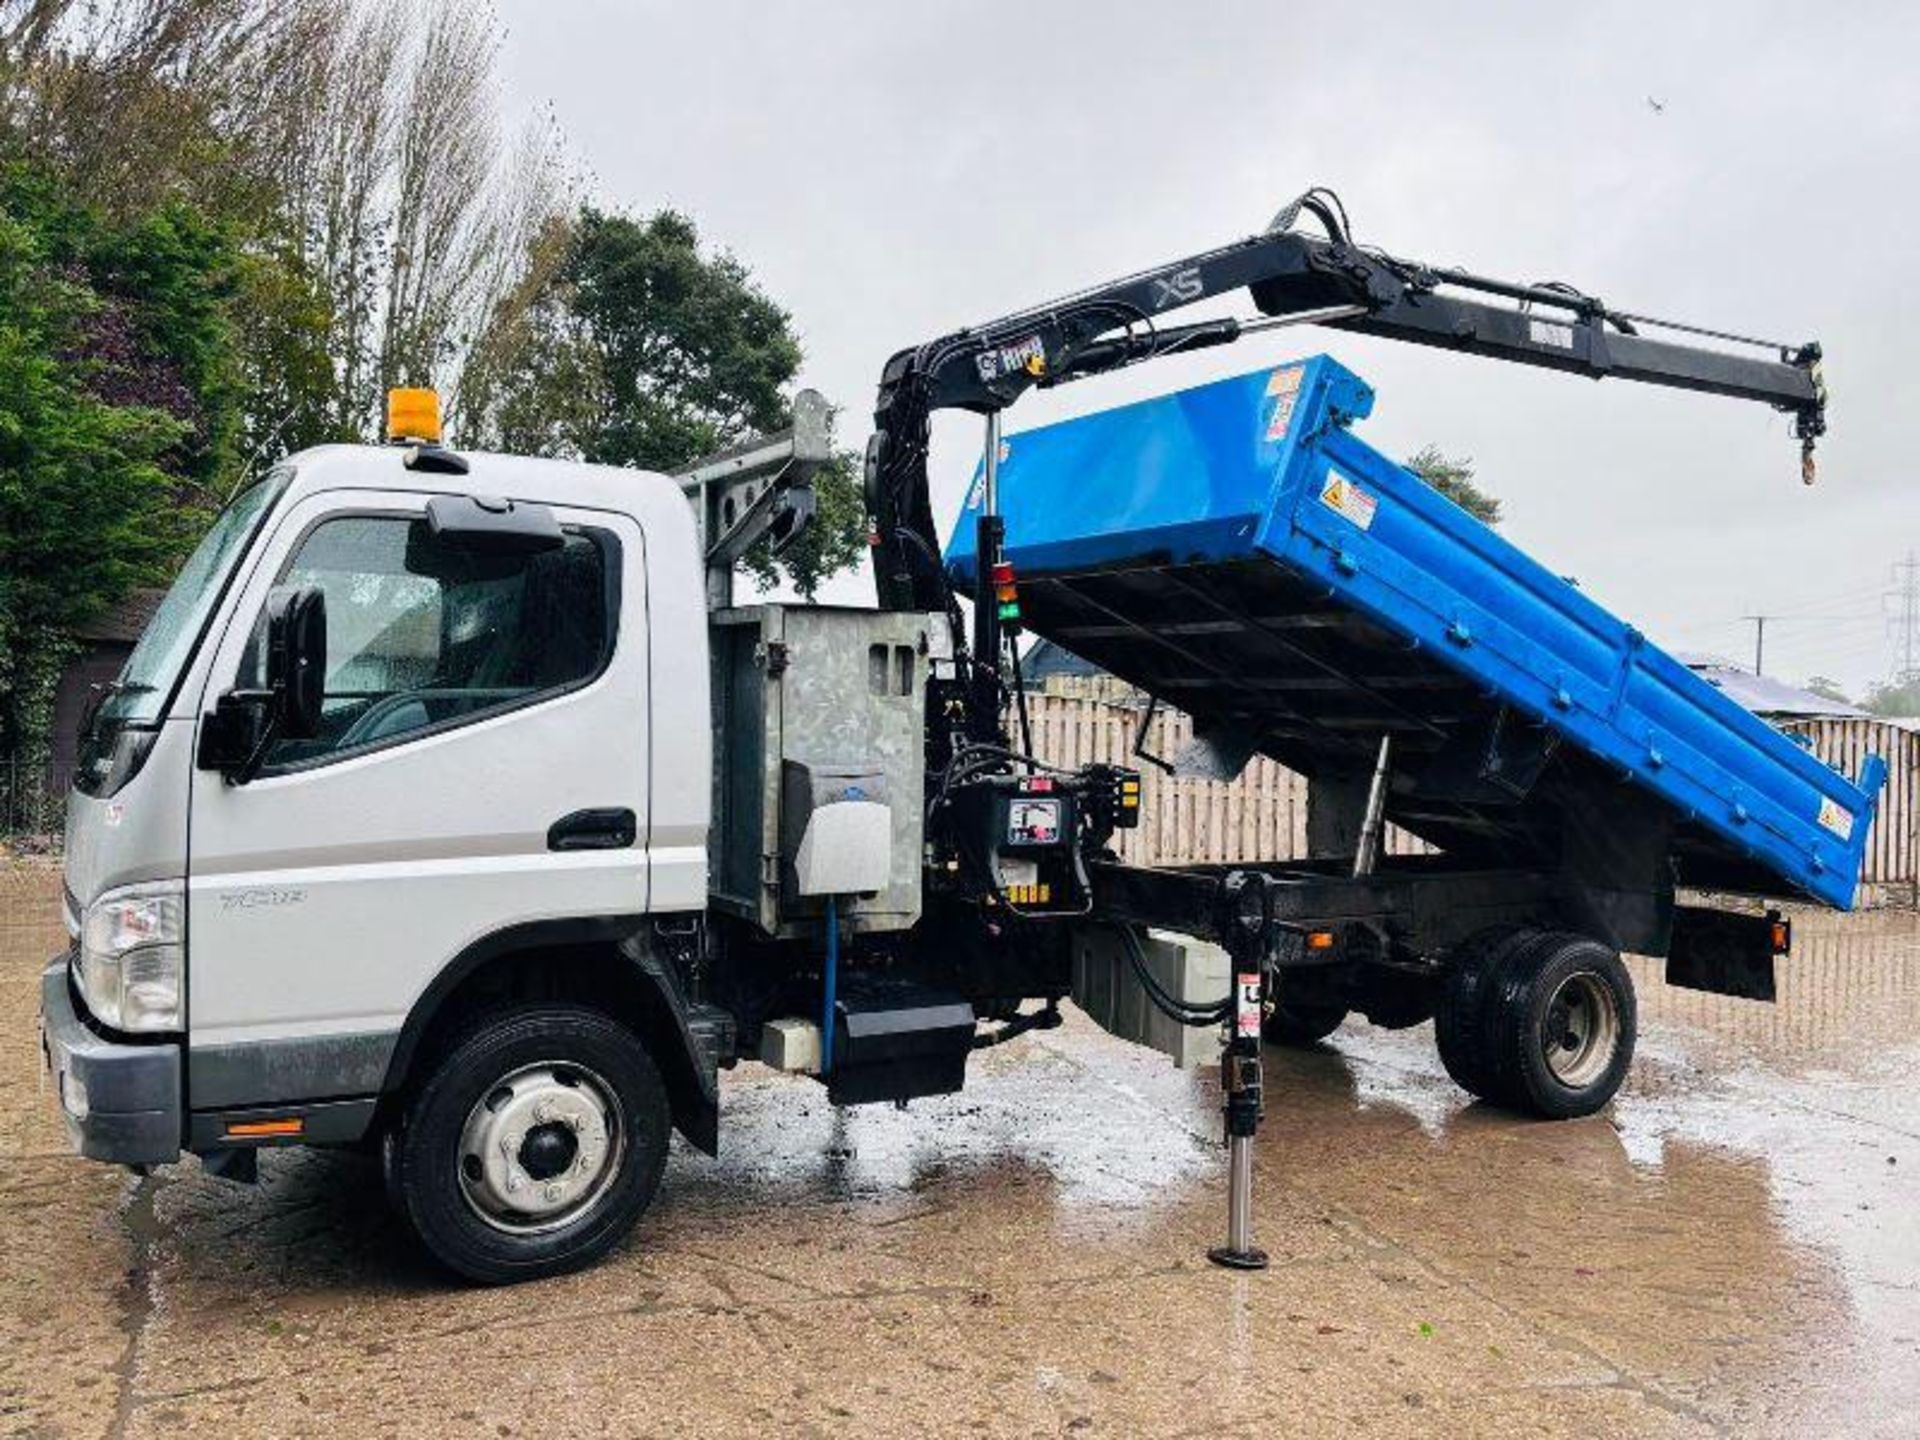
(990, 534)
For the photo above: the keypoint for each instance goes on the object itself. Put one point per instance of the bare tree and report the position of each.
(122, 98)
(367, 133)
(420, 207)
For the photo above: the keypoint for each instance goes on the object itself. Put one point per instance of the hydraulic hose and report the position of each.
(1047, 1019)
(1178, 1011)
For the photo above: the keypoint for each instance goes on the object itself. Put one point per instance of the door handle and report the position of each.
(593, 830)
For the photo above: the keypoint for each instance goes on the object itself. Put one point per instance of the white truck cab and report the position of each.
(505, 770)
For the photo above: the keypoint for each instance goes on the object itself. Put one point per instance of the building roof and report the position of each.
(123, 624)
(1043, 660)
(1764, 695)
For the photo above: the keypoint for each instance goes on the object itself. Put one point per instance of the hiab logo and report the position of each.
(1179, 288)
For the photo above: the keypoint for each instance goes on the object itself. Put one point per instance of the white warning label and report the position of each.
(1545, 332)
(1284, 387)
(1834, 818)
(1342, 496)
(1246, 1007)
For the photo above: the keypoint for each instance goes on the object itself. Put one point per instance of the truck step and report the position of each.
(712, 1029)
(894, 1040)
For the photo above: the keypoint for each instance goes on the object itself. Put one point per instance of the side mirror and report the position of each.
(235, 738)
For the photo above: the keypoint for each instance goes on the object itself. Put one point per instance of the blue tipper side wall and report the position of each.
(1235, 547)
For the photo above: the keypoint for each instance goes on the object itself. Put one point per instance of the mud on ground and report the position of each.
(1734, 1248)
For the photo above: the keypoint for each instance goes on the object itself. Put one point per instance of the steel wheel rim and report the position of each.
(540, 1148)
(1582, 1030)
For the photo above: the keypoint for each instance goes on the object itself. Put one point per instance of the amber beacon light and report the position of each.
(413, 417)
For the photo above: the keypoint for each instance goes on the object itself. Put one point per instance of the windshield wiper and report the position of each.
(104, 691)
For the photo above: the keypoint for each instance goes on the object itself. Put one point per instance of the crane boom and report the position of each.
(1294, 277)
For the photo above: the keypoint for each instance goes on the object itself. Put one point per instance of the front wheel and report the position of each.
(534, 1145)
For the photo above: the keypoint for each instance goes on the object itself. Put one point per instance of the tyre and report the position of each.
(1566, 1025)
(533, 1146)
(1300, 1022)
(1463, 1019)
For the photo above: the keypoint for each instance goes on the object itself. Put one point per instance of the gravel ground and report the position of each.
(1733, 1248)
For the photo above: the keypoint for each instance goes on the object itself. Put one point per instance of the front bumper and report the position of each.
(120, 1102)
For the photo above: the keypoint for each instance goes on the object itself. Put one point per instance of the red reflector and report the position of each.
(1039, 784)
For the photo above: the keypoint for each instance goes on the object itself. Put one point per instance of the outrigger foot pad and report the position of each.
(1231, 1259)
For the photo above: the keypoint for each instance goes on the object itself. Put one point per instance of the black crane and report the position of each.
(1294, 277)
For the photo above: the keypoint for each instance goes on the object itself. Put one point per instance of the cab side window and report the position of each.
(422, 636)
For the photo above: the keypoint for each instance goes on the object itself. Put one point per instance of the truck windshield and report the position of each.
(146, 681)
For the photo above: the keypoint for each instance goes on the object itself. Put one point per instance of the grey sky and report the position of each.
(894, 170)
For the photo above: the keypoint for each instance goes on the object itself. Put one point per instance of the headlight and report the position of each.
(130, 957)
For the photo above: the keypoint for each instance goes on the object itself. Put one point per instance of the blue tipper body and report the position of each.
(1238, 551)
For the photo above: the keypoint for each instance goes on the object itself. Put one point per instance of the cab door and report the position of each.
(482, 765)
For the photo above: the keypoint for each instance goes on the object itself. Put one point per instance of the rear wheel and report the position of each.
(534, 1145)
(1568, 1025)
(1540, 1021)
(1464, 1020)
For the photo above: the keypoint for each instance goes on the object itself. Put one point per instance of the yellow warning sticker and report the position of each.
(1347, 499)
(1834, 818)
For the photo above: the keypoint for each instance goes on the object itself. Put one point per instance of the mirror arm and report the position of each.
(244, 772)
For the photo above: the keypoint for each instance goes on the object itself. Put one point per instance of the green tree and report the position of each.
(628, 344)
(229, 225)
(1827, 689)
(1454, 479)
(356, 152)
(88, 507)
(1899, 695)
(692, 354)
(288, 384)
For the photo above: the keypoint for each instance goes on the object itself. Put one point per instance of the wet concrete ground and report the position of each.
(1733, 1249)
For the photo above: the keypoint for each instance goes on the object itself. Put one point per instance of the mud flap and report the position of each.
(1724, 953)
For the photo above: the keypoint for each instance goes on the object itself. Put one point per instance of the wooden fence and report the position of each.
(1892, 870)
(1262, 815)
